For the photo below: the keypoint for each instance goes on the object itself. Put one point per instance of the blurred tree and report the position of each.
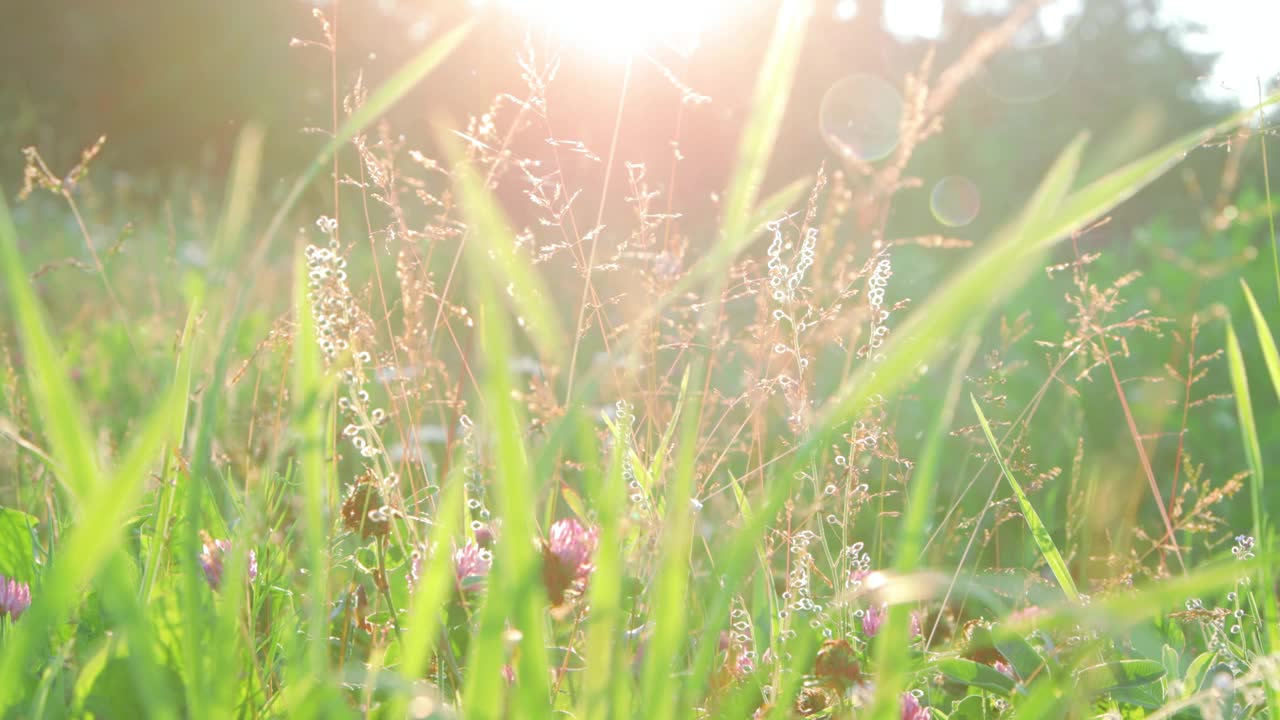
(170, 83)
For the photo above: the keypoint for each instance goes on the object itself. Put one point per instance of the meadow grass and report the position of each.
(445, 466)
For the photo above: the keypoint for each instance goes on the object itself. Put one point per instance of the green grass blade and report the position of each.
(1248, 428)
(1104, 194)
(166, 500)
(1265, 339)
(241, 192)
(86, 549)
(670, 615)
(517, 591)
(311, 392)
(759, 137)
(973, 290)
(891, 654)
(375, 106)
(605, 625)
(1039, 532)
(47, 376)
(433, 589)
(491, 237)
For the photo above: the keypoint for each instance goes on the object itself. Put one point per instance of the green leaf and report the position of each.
(1024, 659)
(1120, 674)
(1195, 675)
(17, 545)
(972, 674)
(971, 707)
(1038, 531)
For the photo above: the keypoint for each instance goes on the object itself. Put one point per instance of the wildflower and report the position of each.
(566, 558)
(1004, 669)
(916, 624)
(361, 511)
(470, 565)
(813, 700)
(15, 597)
(212, 553)
(1029, 614)
(872, 620)
(836, 664)
(1243, 549)
(912, 709)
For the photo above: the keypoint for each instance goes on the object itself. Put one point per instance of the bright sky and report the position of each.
(1241, 31)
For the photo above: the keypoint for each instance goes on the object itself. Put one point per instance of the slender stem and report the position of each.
(595, 234)
(1266, 185)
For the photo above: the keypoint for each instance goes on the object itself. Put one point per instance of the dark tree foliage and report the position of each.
(170, 83)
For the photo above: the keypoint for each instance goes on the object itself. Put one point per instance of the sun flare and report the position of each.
(620, 28)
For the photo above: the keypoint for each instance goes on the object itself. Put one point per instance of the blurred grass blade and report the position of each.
(1248, 427)
(733, 563)
(1038, 531)
(760, 136)
(86, 549)
(375, 106)
(975, 289)
(238, 201)
(671, 586)
(605, 624)
(891, 654)
(434, 585)
(1104, 194)
(166, 501)
(516, 592)
(47, 376)
(493, 243)
(310, 393)
(776, 205)
(1265, 339)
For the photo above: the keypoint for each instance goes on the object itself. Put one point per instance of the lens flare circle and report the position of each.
(955, 201)
(859, 117)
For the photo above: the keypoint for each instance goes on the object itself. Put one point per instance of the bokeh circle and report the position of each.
(859, 117)
(955, 201)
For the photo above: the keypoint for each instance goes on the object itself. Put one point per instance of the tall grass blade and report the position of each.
(492, 242)
(311, 392)
(47, 376)
(1248, 428)
(1039, 532)
(376, 105)
(1265, 339)
(517, 591)
(759, 137)
(973, 290)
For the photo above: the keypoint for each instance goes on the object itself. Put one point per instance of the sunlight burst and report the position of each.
(620, 28)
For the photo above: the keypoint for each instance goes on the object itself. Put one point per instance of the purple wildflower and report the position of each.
(872, 619)
(1004, 669)
(912, 709)
(471, 561)
(212, 554)
(566, 556)
(15, 597)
